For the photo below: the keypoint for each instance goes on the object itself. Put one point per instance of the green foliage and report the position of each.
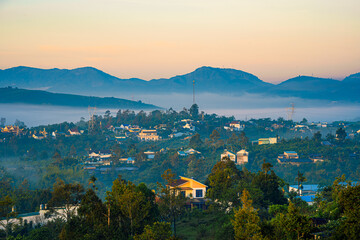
(222, 183)
(130, 207)
(349, 201)
(246, 220)
(157, 231)
(195, 141)
(292, 225)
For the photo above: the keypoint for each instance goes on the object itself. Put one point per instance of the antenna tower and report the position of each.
(92, 112)
(291, 111)
(193, 91)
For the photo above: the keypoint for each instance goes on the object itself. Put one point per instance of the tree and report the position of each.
(107, 114)
(214, 136)
(222, 183)
(194, 111)
(269, 184)
(349, 201)
(129, 207)
(317, 136)
(67, 196)
(295, 225)
(195, 141)
(171, 204)
(300, 178)
(94, 213)
(244, 140)
(340, 134)
(246, 220)
(266, 167)
(233, 141)
(6, 212)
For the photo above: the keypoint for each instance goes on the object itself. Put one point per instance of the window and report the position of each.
(182, 193)
(199, 193)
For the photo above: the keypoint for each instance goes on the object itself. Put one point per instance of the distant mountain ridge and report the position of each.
(38, 97)
(91, 81)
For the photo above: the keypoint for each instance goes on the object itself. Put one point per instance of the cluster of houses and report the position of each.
(292, 157)
(128, 131)
(239, 158)
(12, 130)
(103, 158)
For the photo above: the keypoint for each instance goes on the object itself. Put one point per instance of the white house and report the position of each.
(229, 154)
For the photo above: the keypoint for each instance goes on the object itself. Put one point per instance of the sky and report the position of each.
(275, 40)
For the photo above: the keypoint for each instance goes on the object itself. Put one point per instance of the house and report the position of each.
(148, 135)
(316, 157)
(102, 154)
(287, 156)
(149, 154)
(291, 155)
(242, 157)
(74, 131)
(178, 134)
(186, 152)
(191, 151)
(189, 126)
(38, 136)
(189, 187)
(229, 154)
(130, 160)
(38, 218)
(234, 126)
(11, 129)
(292, 158)
(134, 129)
(124, 126)
(182, 154)
(263, 141)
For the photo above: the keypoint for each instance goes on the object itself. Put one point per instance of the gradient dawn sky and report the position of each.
(273, 39)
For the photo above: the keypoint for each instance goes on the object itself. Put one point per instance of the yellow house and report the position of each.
(189, 187)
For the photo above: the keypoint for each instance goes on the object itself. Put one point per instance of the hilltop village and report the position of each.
(186, 151)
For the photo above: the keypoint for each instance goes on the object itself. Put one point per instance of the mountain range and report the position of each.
(91, 81)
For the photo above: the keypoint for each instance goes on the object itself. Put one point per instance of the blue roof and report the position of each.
(308, 198)
(291, 152)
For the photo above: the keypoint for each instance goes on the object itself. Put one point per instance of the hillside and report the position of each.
(38, 97)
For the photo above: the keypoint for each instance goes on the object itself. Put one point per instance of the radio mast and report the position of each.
(193, 91)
